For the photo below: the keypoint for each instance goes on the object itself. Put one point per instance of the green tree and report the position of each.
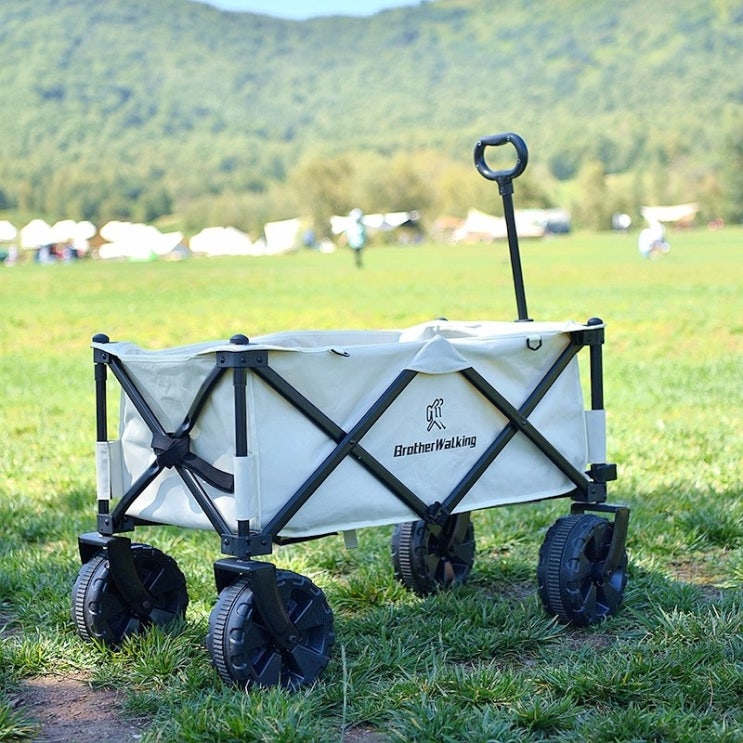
(154, 201)
(732, 174)
(394, 183)
(591, 210)
(5, 201)
(323, 187)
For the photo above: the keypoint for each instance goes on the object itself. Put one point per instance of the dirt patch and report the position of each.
(8, 628)
(69, 711)
(364, 735)
(689, 571)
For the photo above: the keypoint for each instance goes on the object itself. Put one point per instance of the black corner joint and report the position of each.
(108, 526)
(261, 577)
(90, 544)
(122, 569)
(437, 514)
(242, 359)
(602, 472)
(619, 535)
(592, 335)
(595, 491)
(245, 546)
(100, 356)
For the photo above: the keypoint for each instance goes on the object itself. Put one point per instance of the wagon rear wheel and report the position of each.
(573, 584)
(243, 649)
(99, 610)
(428, 558)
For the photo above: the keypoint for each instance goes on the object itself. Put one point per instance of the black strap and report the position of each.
(172, 450)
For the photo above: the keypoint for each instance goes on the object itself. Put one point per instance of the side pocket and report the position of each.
(247, 491)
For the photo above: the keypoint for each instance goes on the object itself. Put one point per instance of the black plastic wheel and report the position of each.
(572, 584)
(242, 648)
(99, 611)
(429, 558)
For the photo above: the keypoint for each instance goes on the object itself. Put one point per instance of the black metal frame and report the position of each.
(172, 449)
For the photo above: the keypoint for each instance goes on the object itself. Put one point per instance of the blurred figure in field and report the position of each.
(356, 234)
(652, 241)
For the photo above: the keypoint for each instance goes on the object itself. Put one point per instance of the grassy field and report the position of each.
(479, 663)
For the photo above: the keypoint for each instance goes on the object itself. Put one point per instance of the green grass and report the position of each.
(480, 663)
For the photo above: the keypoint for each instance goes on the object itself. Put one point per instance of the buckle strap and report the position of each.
(176, 450)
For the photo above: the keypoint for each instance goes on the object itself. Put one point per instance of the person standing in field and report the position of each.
(356, 234)
(652, 241)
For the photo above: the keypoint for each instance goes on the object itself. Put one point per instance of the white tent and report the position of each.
(115, 230)
(35, 234)
(282, 236)
(8, 231)
(481, 226)
(167, 243)
(85, 230)
(64, 230)
(679, 213)
(136, 241)
(387, 221)
(550, 220)
(338, 224)
(214, 241)
(82, 234)
(76, 233)
(128, 240)
(119, 249)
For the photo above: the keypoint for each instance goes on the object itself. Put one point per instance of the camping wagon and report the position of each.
(418, 428)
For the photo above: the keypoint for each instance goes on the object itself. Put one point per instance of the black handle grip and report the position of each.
(502, 177)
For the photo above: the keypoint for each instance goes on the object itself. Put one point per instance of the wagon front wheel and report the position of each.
(574, 584)
(427, 558)
(243, 648)
(99, 609)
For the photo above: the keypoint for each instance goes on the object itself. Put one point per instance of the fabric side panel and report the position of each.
(596, 432)
(103, 471)
(247, 491)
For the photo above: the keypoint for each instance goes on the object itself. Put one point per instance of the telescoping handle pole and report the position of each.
(504, 179)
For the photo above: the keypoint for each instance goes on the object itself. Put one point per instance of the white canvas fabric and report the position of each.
(428, 438)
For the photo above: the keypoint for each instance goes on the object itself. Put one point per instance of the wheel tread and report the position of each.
(413, 545)
(94, 584)
(80, 593)
(566, 590)
(288, 668)
(215, 639)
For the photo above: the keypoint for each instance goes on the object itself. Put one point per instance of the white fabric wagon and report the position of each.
(292, 436)
(430, 434)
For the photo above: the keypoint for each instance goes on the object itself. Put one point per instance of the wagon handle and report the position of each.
(504, 179)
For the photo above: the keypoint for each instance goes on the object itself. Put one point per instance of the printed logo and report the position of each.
(433, 414)
(434, 417)
(440, 444)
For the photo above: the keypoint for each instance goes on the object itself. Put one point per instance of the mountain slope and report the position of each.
(174, 100)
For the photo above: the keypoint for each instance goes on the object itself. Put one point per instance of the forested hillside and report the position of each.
(141, 108)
